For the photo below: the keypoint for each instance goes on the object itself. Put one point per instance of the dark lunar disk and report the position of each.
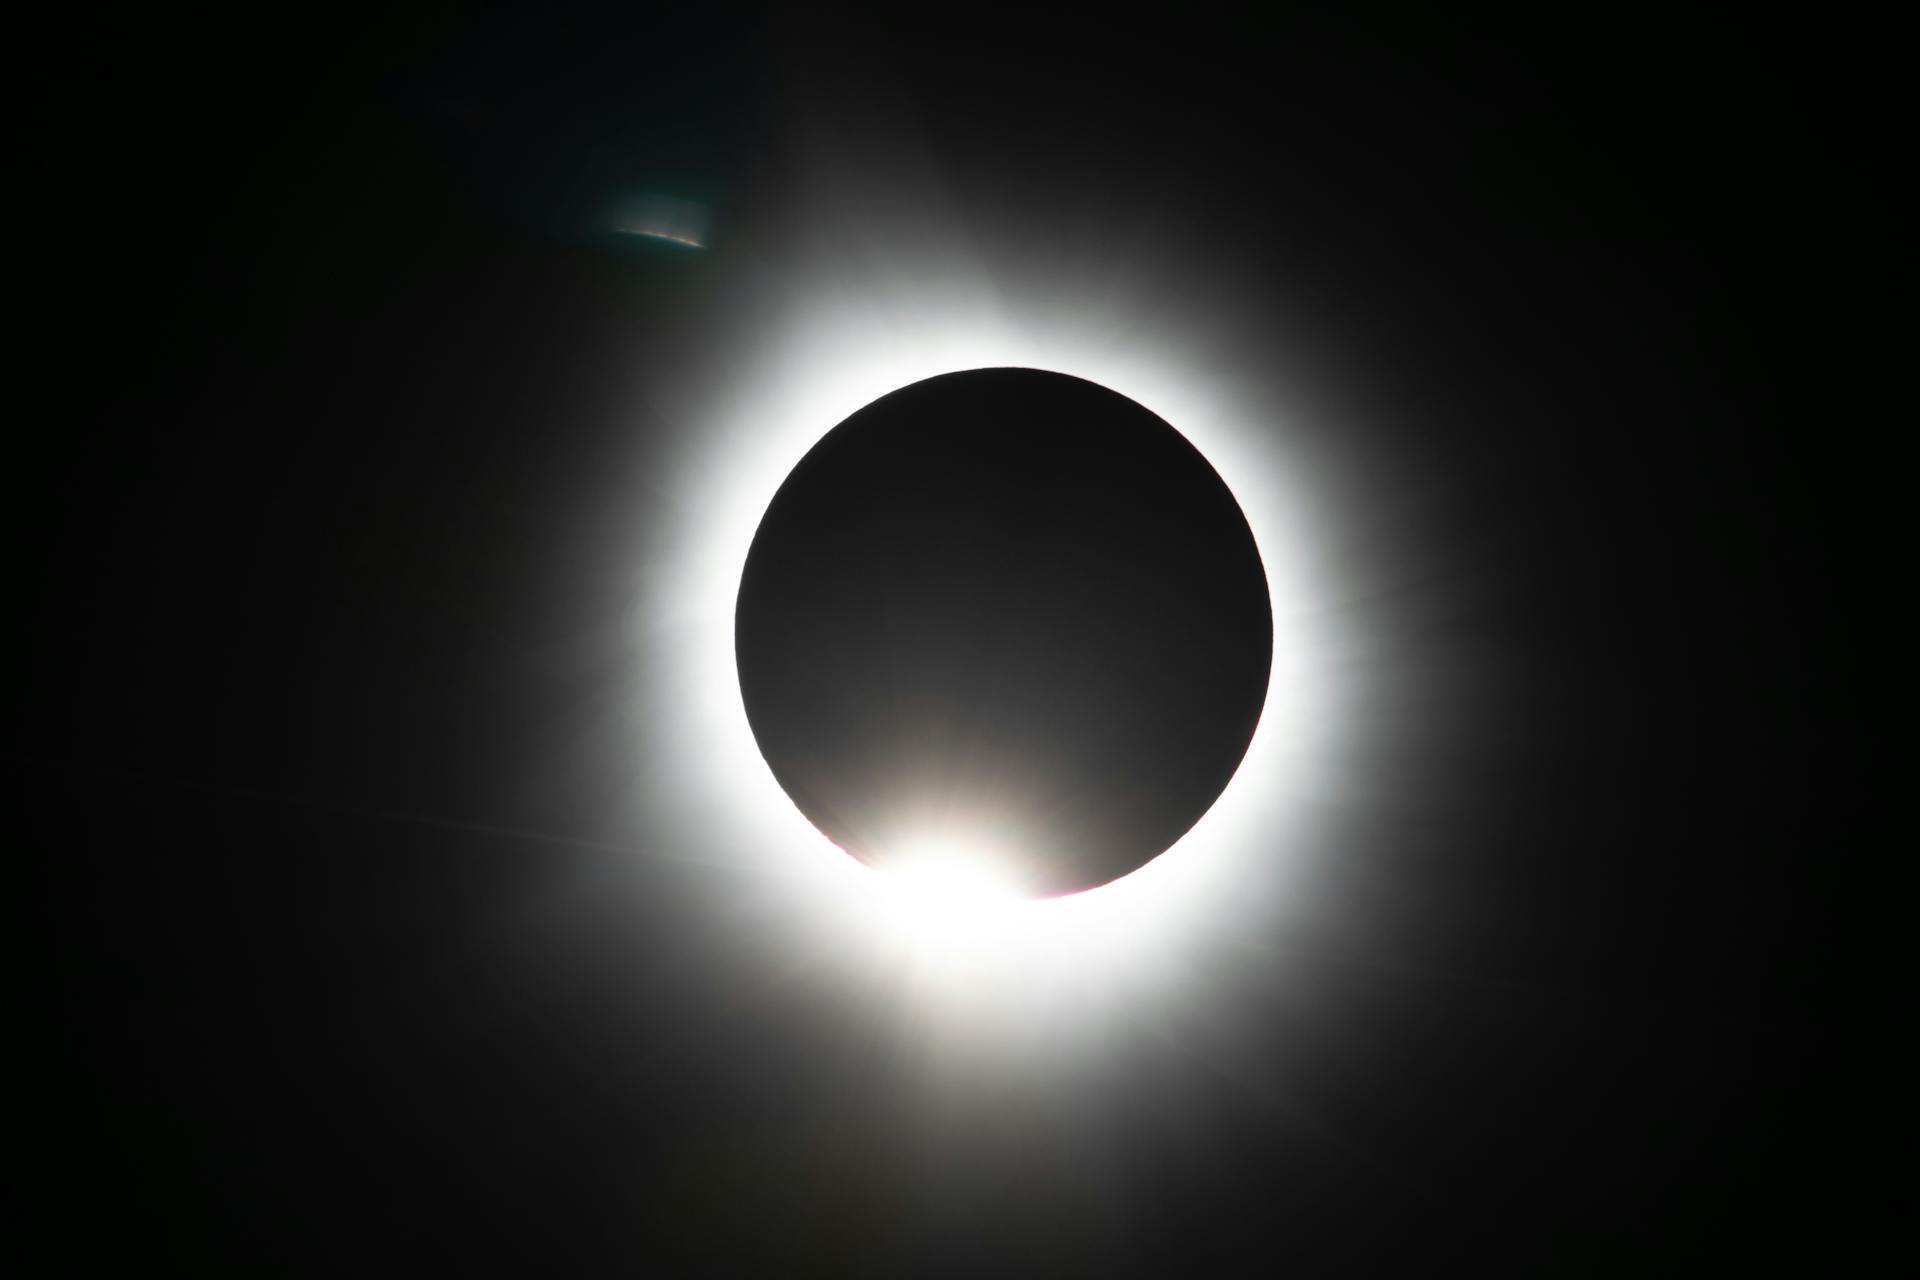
(1009, 612)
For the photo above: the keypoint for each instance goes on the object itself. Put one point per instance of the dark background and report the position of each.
(325, 477)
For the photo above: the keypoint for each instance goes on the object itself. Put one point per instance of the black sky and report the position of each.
(350, 956)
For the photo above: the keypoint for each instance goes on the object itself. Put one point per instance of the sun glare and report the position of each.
(948, 893)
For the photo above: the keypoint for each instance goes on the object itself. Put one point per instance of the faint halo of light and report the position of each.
(850, 339)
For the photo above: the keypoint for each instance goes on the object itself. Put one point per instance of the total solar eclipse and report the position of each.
(1009, 613)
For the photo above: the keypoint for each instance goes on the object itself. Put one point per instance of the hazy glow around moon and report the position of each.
(837, 323)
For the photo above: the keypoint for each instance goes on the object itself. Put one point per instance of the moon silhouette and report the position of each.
(1010, 612)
